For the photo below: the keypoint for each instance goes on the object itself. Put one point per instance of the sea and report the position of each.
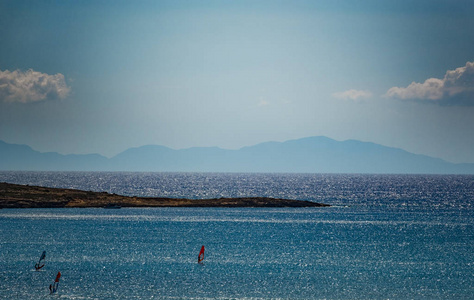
(384, 237)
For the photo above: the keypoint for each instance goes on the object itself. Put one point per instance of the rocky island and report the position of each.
(25, 196)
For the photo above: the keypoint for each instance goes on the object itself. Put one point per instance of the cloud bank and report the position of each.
(353, 95)
(31, 86)
(456, 88)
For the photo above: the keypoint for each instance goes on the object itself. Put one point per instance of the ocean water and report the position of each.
(386, 237)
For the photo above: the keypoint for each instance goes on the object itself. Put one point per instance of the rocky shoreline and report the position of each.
(25, 196)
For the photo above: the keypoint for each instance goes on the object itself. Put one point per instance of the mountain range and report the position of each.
(307, 155)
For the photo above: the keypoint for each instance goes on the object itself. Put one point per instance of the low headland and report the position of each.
(25, 196)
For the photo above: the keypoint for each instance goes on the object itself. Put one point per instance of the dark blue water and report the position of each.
(389, 237)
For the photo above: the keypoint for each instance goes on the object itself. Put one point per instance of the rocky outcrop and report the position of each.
(24, 196)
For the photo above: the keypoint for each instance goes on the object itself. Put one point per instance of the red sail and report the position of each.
(201, 255)
(57, 277)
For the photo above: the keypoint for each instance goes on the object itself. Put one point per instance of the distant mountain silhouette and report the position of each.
(23, 158)
(307, 155)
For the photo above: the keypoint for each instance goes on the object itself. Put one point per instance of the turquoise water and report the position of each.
(394, 246)
(334, 253)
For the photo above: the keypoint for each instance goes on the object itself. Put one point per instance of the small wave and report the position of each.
(206, 219)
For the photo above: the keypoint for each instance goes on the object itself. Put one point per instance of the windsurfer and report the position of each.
(201, 255)
(38, 265)
(53, 288)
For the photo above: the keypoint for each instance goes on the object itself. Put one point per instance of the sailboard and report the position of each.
(53, 288)
(40, 263)
(201, 255)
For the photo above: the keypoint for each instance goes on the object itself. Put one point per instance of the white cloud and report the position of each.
(31, 86)
(456, 88)
(354, 95)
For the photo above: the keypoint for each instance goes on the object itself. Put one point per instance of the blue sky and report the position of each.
(103, 76)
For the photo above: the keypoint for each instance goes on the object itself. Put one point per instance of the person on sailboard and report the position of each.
(201, 255)
(53, 288)
(38, 265)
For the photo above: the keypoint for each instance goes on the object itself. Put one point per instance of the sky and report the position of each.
(103, 76)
